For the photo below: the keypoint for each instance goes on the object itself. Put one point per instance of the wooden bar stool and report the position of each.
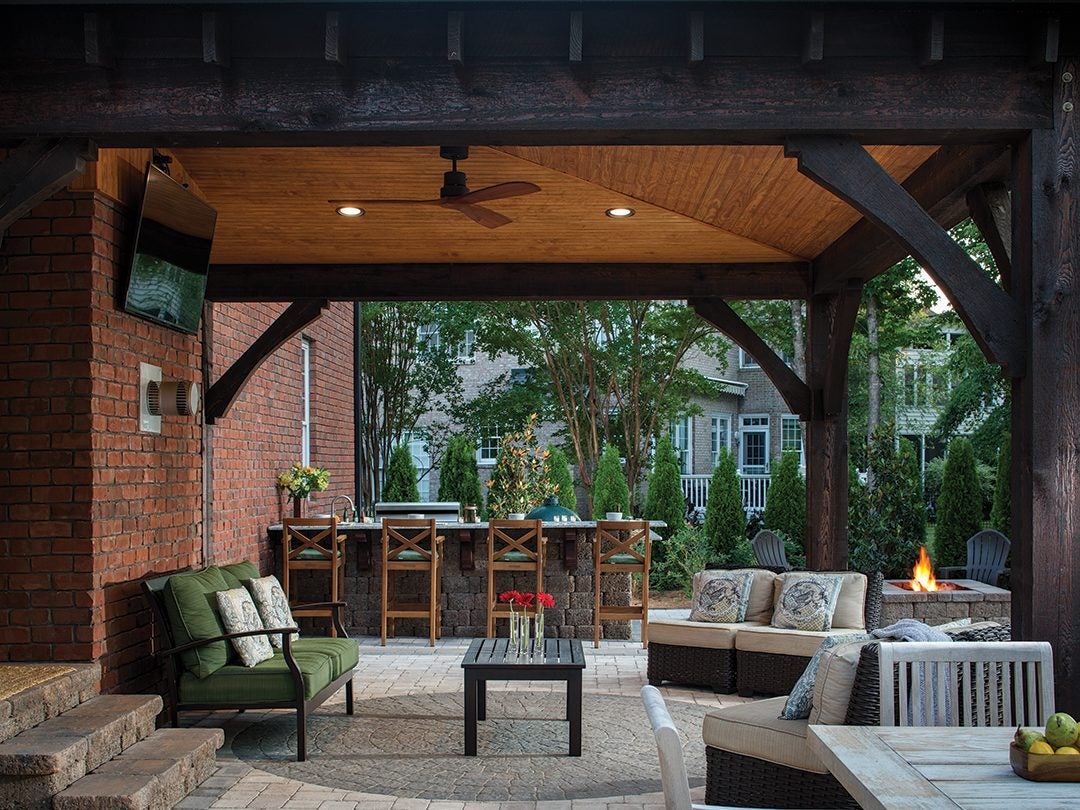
(411, 544)
(622, 547)
(513, 545)
(313, 544)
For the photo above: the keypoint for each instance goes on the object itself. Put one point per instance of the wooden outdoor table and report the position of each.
(888, 768)
(492, 659)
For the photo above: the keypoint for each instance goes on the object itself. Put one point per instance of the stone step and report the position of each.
(154, 774)
(37, 704)
(41, 761)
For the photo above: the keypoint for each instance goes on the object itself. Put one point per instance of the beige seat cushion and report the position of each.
(835, 677)
(685, 633)
(850, 610)
(756, 730)
(781, 640)
(759, 607)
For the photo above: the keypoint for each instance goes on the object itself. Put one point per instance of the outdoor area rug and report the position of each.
(412, 746)
(15, 678)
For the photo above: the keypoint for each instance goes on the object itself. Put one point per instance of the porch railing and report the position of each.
(754, 487)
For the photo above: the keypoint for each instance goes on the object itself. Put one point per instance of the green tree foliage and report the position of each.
(785, 502)
(562, 477)
(725, 520)
(1001, 513)
(613, 369)
(959, 507)
(458, 479)
(933, 475)
(521, 479)
(886, 522)
(609, 490)
(400, 483)
(665, 502)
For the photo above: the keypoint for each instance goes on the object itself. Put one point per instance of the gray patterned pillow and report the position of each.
(798, 703)
(807, 601)
(721, 596)
(239, 615)
(272, 605)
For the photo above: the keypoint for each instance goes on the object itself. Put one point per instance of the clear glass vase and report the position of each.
(514, 632)
(539, 634)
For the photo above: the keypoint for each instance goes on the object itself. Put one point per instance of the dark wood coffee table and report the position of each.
(491, 659)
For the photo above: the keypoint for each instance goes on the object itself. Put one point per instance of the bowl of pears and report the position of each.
(1049, 754)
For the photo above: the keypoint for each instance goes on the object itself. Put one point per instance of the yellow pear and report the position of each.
(1068, 749)
(1040, 747)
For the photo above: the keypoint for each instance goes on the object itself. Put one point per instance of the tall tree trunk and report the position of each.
(798, 341)
(873, 364)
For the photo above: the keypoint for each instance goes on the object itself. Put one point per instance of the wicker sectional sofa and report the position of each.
(752, 656)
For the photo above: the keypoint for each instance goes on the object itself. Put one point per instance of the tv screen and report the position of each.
(167, 280)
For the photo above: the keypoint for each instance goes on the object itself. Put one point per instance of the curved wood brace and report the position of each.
(38, 169)
(222, 394)
(842, 327)
(845, 168)
(795, 392)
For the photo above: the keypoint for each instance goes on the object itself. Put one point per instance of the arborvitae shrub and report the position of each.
(458, 479)
(562, 477)
(785, 502)
(1001, 513)
(912, 505)
(400, 484)
(610, 492)
(725, 519)
(665, 502)
(959, 507)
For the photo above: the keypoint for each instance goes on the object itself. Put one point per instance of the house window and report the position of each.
(720, 430)
(754, 445)
(681, 430)
(490, 437)
(418, 449)
(305, 417)
(791, 437)
(745, 360)
(429, 336)
(467, 348)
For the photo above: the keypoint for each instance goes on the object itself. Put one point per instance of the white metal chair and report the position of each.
(969, 683)
(669, 748)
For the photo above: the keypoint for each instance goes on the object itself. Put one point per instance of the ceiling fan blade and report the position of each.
(385, 202)
(489, 219)
(499, 191)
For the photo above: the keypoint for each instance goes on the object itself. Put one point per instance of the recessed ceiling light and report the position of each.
(620, 213)
(350, 211)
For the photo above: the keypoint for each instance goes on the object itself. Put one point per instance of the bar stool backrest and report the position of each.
(405, 535)
(311, 540)
(508, 538)
(619, 537)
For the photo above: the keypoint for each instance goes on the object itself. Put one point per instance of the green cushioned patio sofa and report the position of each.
(205, 673)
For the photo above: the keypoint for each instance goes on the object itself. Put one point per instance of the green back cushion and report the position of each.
(237, 573)
(193, 614)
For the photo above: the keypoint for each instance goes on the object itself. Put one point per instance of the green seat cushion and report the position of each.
(344, 653)
(515, 556)
(268, 680)
(193, 614)
(408, 555)
(238, 573)
(312, 554)
(622, 559)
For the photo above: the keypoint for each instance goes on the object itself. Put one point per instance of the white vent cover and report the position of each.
(149, 421)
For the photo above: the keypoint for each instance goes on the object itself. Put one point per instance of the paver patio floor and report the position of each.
(409, 667)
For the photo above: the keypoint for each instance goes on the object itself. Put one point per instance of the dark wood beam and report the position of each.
(1045, 41)
(932, 42)
(294, 102)
(37, 170)
(847, 170)
(473, 282)
(215, 39)
(334, 39)
(696, 25)
(222, 394)
(455, 37)
(794, 391)
(98, 40)
(577, 36)
(813, 49)
(939, 186)
(841, 329)
(991, 211)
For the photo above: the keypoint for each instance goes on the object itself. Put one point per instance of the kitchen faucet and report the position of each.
(344, 512)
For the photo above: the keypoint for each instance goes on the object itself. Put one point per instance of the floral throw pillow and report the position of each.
(272, 605)
(239, 615)
(799, 701)
(721, 596)
(807, 601)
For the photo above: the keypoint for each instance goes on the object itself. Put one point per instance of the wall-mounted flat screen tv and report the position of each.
(167, 280)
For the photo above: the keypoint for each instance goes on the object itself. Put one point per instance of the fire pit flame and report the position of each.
(923, 573)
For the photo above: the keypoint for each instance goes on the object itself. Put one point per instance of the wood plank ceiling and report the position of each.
(692, 203)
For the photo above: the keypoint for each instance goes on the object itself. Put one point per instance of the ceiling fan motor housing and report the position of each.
(454, 185)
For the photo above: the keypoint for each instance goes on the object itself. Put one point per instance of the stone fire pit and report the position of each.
(963, 598)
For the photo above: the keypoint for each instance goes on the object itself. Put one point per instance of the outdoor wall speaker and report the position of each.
(173, 398)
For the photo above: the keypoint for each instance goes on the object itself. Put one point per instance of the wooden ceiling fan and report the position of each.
(456, 196)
